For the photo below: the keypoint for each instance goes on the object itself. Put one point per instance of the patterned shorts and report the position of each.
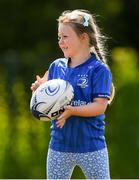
(95, 165)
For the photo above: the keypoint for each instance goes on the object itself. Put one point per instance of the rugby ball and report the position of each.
(48, 101)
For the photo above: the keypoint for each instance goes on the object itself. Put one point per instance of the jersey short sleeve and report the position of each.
(102, 82)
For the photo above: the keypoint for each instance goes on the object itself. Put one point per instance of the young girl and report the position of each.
(77, 136)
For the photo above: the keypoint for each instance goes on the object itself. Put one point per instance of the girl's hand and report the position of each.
(65, 115)
(39, 81)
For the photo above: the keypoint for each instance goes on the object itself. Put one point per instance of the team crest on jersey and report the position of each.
(82, 81)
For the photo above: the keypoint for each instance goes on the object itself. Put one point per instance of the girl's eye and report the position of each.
(63, 37)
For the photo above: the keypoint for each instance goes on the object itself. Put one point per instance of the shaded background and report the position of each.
(28, 44)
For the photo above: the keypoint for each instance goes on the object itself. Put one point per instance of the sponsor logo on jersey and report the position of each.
(79, 102)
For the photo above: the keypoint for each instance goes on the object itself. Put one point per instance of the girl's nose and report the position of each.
(60, 41)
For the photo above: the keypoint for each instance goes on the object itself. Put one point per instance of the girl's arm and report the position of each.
(97, 107)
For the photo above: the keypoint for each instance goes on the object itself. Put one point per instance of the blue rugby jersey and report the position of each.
(90, 80)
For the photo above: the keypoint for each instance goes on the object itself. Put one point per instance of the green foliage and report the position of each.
(123, 115)
(24, 140)
(125, 66)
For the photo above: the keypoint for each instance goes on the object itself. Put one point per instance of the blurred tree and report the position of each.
(123, 125)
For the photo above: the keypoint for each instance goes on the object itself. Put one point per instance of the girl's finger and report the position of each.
(46, 76)
(67, 107)
(60, 117)
(38, 78)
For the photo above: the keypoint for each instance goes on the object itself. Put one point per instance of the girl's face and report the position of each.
(69, 42)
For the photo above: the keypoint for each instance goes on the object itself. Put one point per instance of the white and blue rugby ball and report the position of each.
(48, 101)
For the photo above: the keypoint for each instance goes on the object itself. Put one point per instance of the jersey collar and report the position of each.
(93, 57)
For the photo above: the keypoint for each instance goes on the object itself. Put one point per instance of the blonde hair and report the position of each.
(76, 19)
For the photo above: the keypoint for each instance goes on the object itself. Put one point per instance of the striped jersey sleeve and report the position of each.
(102, 82)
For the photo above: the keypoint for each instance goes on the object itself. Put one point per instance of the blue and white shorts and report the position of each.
(95, 165)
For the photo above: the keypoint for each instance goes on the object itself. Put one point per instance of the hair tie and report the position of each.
(86, 20)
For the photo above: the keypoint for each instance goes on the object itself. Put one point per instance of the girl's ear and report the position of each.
(84, 36)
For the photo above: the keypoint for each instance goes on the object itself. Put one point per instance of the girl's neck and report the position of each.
(79, 59)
